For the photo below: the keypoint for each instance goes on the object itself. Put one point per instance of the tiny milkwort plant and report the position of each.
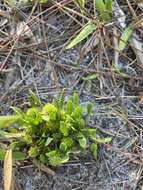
(54, 132)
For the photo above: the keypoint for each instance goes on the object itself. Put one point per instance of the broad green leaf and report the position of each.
(102, 9)
(56, 159)
(63, 147)
(16, 155)
(90, 77)
(65, 158)
(66, 143)
(85, 32)
(108, 4)
(100, 5)
(64, 128)
(48, 141)
(6, 121)
(125, 37)
(82, 141)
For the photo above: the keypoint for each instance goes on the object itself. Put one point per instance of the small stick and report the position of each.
(43, 167)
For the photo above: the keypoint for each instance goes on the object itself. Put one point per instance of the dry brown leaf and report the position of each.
(8, 170)
(23, 30)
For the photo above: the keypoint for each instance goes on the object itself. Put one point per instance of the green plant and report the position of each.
(127, 33)
(104, 8)
(54, 132)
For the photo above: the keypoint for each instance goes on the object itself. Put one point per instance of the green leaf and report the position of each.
(92, 133)
(33, 116)
(125, 37)
(93, 148)
(6, 121)
(81, 122)
(48, 141)
(82, 142)
(100, 5)
(103, 140)
(65, 158)
(64, 128)
(49, 112)
(56, 159)
(77, 113)
(108, 4)
(89, 108)
(10, 134)
(69, 107)
(75, 99)
(16, 155)
(85, 32)
(102, 9)
(66, 143)
(33, 152)
(90, 77)
(2, 154)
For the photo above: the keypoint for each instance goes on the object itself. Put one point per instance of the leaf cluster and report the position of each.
(55, 132)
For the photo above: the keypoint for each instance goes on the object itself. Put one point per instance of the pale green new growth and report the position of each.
(125, 37)
(85, 32)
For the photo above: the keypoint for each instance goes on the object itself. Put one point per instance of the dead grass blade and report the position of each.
(137, 46)
(8, 170)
